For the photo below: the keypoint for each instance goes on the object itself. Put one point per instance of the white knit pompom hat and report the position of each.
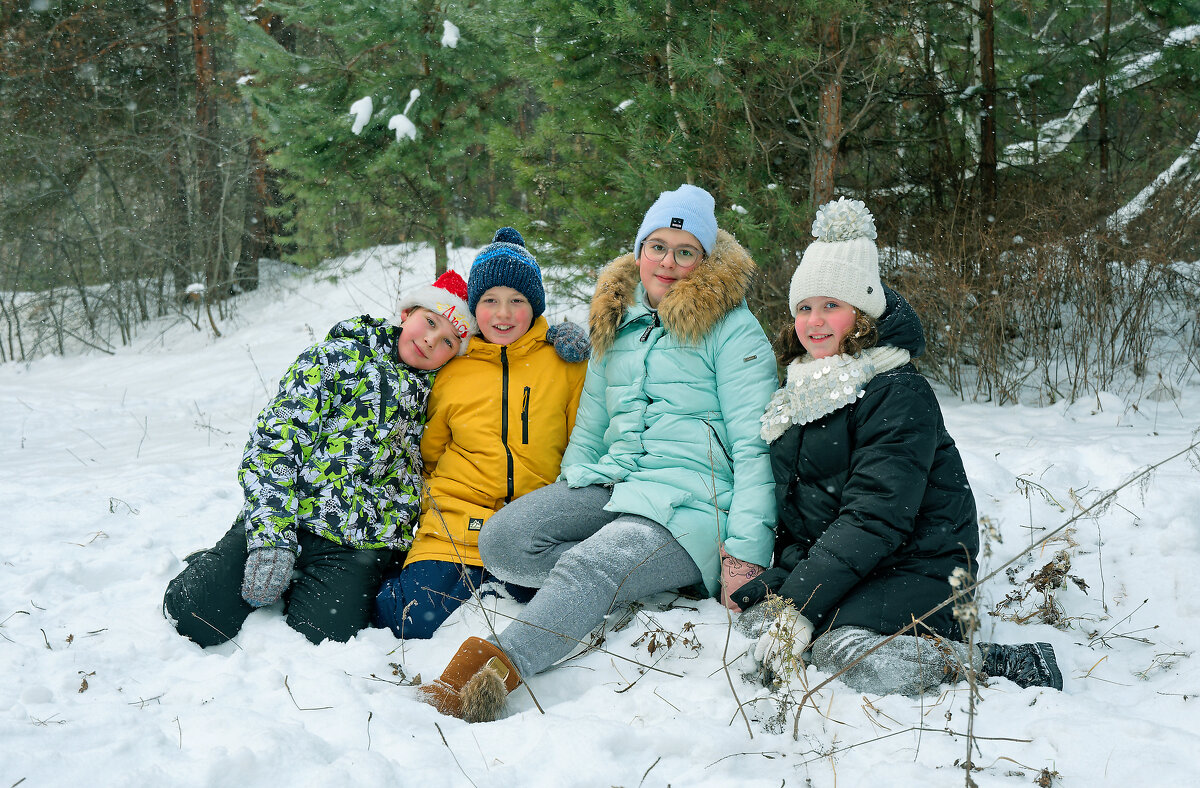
(843, 262)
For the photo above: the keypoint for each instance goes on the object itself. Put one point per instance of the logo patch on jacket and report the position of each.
(475, 523)
(676, 223)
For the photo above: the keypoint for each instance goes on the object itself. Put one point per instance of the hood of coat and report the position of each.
(526, 343)
(899, 325)
(377, 334)
(689, 309)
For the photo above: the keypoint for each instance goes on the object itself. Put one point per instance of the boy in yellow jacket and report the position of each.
(498, 421)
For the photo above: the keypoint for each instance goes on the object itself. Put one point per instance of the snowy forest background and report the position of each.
(191, 193)
(1034, 166)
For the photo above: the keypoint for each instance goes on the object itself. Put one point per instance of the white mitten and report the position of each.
(783, 643)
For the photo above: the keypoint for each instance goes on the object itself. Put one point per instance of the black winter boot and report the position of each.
(1026, 664)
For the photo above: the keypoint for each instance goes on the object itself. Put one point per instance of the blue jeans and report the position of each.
(583, 560)
(414, 603)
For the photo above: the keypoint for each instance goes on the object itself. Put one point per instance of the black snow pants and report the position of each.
(330, 597)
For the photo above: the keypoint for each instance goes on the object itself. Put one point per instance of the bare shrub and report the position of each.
(1053, 312)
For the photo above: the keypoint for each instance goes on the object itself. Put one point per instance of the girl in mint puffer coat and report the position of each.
(665, 475)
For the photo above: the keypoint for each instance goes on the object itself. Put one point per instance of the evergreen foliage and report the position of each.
(566, 118)
(636, 98)
(378, 185)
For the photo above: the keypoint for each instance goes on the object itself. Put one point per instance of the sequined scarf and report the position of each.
(817, 387)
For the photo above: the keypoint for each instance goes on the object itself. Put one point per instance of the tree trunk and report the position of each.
(987, 117)
(254, 220)
(178, 230)
(829, 120)
(1102, 93)
(441, 234)
(208, 185)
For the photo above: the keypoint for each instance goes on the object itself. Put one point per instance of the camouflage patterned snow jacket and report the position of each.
(337, 452)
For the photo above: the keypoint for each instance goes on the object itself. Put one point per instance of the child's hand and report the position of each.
(570, 341)
(780, 647)
(735, 573)
(268, 572)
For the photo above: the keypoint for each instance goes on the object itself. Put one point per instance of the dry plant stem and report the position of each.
(920, 728)
(971, 682)
(656, 760)
(297, 705)
(631, 684)
(475, 596)
(215, 629)
(1100, 503)
(452, 755)
(725, 666)
(772, 754)
(728, 615)
(584, 643)
(1107, 632)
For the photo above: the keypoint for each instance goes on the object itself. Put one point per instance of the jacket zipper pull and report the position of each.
(651, 327)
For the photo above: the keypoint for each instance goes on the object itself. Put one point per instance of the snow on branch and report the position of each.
(1056, 135)
(361, 110)
(401, 124)
(1137, 206)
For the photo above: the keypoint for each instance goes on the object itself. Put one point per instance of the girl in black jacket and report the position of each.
(876, 518)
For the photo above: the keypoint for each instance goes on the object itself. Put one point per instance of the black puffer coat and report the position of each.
(875, 510)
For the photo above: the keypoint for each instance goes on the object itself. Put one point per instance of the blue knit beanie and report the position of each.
(687, 208)
(505, 262)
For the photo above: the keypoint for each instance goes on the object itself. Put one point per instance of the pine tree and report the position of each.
(376, 115)
(636, 98)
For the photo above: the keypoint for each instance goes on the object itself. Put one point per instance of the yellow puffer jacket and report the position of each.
(499, 419)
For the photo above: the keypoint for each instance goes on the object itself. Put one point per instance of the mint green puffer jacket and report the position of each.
(670, 408)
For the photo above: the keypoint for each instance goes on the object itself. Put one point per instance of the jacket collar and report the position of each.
(817, 387)
(534, 337)
(690, 308)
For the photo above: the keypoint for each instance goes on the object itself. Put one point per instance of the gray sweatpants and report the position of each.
(583, 561)
(907, 665)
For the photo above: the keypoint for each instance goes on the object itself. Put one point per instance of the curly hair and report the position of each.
(864, 334)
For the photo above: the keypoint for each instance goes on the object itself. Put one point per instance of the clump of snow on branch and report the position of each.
(449, 34)
(843, 220)
(401, 124)
(361, 110)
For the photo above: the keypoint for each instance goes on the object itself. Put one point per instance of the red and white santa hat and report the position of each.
(448, 298)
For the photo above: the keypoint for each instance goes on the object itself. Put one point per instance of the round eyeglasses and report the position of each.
(684, 256)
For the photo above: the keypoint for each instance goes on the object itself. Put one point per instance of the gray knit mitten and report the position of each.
(268, 572)
(570, 341)
(755, 620)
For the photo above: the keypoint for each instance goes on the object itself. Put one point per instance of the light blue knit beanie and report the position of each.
(687, 208)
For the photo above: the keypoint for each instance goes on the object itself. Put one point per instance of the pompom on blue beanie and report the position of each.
(687, 208)
(505, 262)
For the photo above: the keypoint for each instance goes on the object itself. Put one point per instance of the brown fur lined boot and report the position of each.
(475, 684)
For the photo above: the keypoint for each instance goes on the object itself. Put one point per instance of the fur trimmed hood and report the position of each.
(690, 308)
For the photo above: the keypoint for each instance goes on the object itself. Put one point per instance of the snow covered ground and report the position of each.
(113, 468)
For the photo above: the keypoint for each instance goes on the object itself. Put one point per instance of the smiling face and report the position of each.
(822, 323)
(503, 315)
(676, 246)
(427, 340)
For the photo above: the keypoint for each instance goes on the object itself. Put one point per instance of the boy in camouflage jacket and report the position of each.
(332, 477)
